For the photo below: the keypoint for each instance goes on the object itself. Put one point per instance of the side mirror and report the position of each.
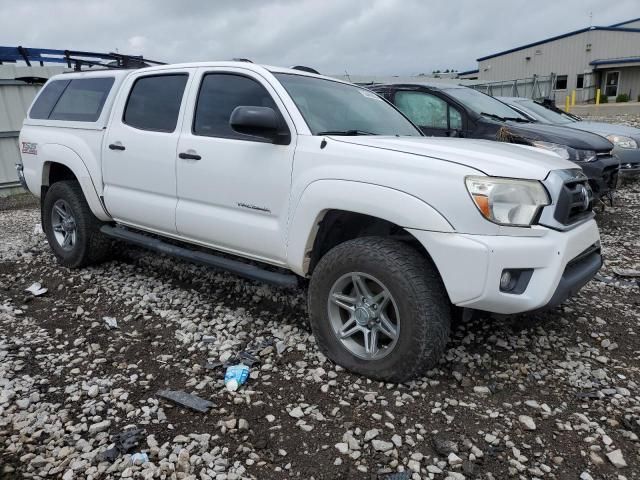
(262, 122)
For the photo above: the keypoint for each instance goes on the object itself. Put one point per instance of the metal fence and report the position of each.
(535, 87)
(539, 87)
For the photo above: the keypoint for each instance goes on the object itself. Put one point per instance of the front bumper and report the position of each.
(602, 173)
(629, 161)
(471, 266)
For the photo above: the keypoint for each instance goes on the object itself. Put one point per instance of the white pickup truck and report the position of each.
(297, 176)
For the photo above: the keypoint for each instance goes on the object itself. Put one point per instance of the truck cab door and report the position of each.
(139, 150)
(233, 188)
(435, 116)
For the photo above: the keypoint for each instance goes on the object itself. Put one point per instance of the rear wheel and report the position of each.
(379, 308)
(71, 228)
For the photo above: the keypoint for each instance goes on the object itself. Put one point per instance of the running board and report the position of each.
(234, 266)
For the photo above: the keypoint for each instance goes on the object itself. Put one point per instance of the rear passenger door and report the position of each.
(431, 113)
(233, 189)
(139, 150)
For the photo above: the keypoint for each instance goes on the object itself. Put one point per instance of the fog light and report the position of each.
(505, 280)
(515, 280)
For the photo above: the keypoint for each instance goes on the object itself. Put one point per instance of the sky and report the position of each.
(361, 37)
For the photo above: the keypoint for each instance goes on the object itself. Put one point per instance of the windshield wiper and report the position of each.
(348, 133)
(504, 119)
(494, 116)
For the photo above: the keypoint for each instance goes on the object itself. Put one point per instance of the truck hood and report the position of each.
(492, 158)
(602, 128)
(570, 137)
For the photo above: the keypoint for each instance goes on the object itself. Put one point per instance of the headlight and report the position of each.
(561, 150)
(507, 201)
(568, 153)
(622, 142)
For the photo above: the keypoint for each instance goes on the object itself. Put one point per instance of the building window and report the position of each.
(561, 82)
(580, 80)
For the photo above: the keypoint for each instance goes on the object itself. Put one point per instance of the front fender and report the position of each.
(55, 153)
(386, 203)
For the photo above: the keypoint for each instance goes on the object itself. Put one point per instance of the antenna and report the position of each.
(590, 19)
(347, 75)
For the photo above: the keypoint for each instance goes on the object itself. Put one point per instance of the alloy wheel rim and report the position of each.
(364, 315)
(63, 224)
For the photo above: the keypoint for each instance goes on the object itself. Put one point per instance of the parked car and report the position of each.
(626, 140)
(457, 111)
(309, 178)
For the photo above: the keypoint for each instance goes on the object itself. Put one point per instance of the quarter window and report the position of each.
(428, 110)
(220, 94)
(78, 99)
(154, 102)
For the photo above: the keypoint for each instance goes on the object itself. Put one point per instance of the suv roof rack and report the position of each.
(236, 59)
(74, 58)
(302, 68)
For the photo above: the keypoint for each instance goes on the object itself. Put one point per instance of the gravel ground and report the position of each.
(553, 395)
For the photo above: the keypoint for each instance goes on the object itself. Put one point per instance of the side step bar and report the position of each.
(234, 266)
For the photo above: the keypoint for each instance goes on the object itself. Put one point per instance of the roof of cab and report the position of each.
(255, 67)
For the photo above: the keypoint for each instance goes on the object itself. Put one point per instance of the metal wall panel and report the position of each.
(15, 99)
(9, 155)
(566, 56)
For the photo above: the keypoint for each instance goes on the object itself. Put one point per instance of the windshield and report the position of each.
(343, 109)
(542, 113)
(484, 104)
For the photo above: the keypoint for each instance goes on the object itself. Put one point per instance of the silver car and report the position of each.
(626, 139)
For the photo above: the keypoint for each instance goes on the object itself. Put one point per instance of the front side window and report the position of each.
(77, 99)
(428, 110)
(154, 102)
(220, 94)
(340, 108)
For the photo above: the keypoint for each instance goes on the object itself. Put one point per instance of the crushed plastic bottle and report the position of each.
(139, 458)
(236, 375)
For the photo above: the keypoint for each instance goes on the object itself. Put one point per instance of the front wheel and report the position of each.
(378, 308)
(71, 228)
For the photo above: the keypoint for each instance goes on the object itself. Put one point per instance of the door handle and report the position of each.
(116, 146)
(189, 156)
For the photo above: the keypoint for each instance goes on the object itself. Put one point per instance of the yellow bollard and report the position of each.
(573, 98)
(598, 96)
(566, 104)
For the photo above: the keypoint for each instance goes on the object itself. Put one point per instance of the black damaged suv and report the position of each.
(455, 111)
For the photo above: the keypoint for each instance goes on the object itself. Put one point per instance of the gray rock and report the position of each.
(616, 458)
(296, 413)
(99, 427)
(527, 422)
(381, 445)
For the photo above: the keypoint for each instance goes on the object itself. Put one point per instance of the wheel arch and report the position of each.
(62, 163)
(326, 206)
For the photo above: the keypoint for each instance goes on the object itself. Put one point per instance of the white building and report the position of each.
(595, 57)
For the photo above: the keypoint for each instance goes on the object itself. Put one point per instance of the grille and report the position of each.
(575, 202)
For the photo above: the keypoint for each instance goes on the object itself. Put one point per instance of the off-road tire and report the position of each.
(91, 246)
(420, 296)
